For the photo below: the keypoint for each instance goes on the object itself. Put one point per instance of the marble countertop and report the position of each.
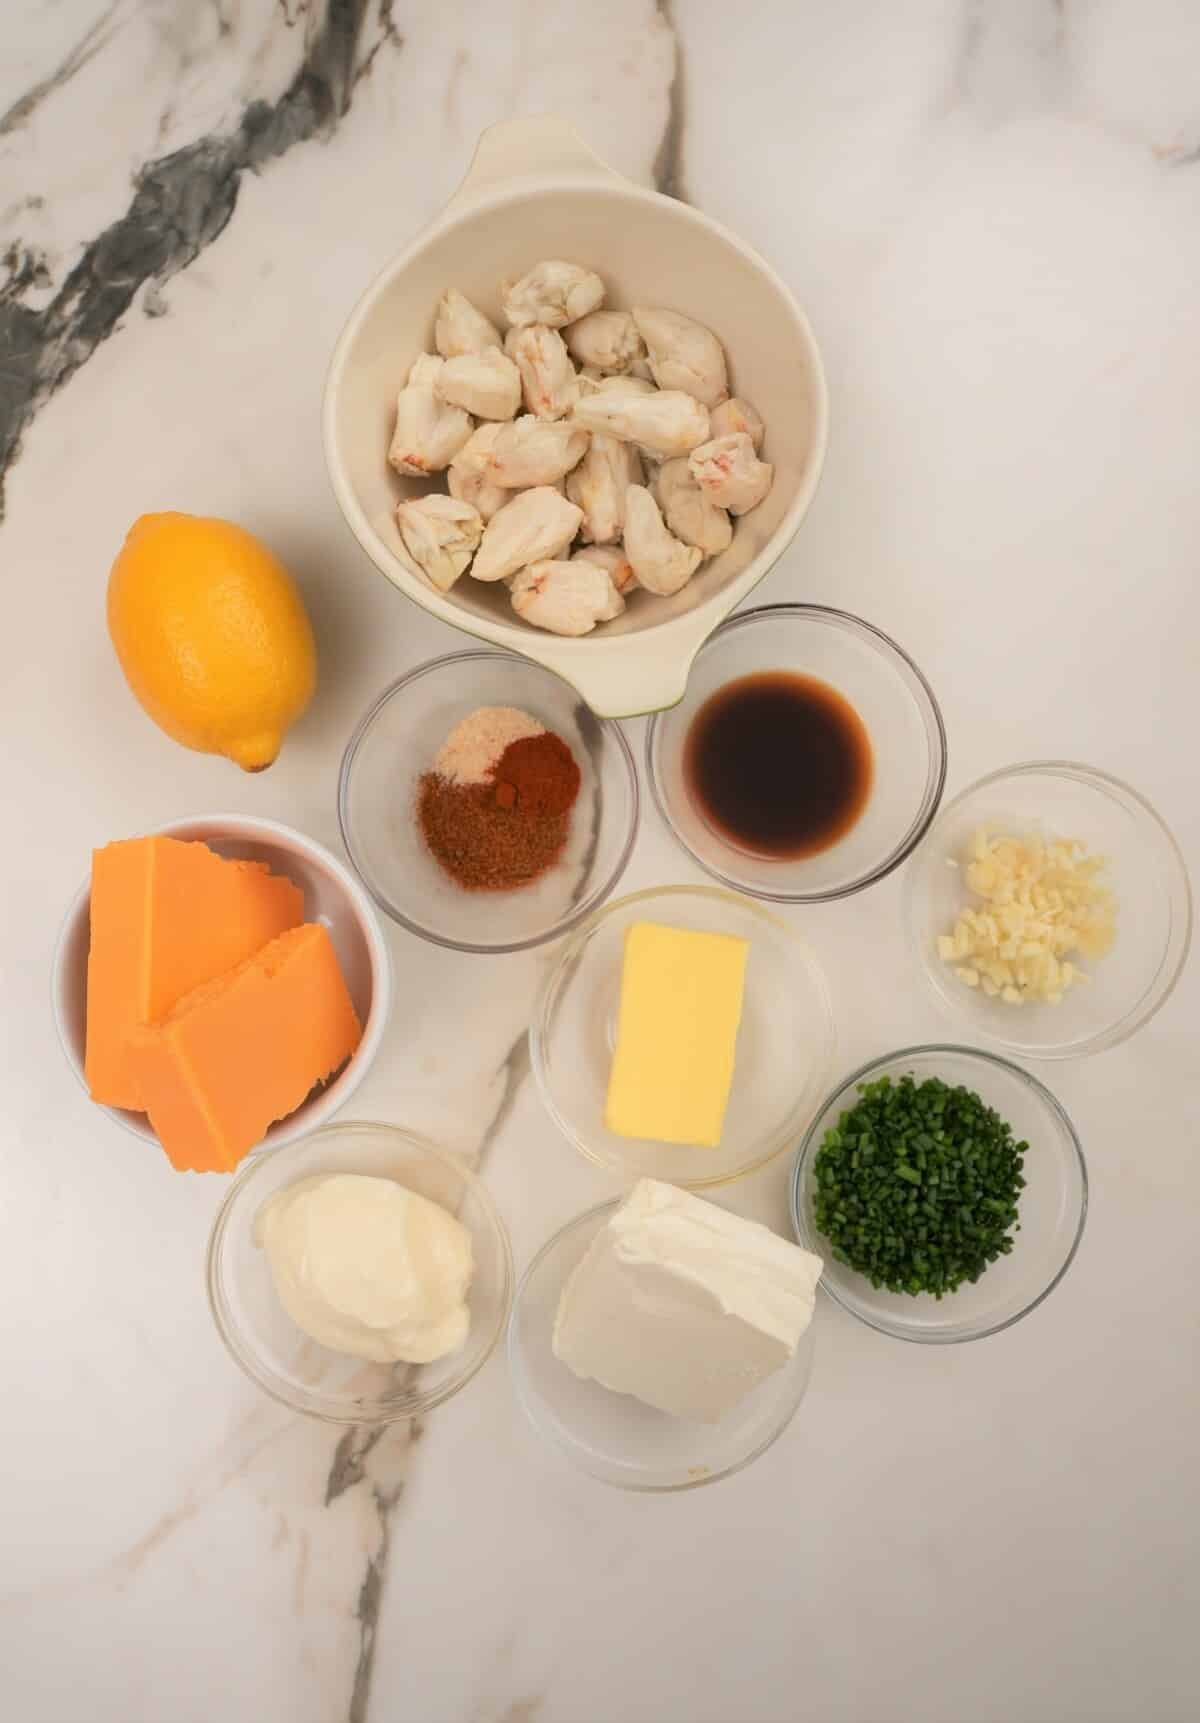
(990, 211)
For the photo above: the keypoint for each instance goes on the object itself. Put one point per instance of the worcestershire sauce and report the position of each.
(779, 764)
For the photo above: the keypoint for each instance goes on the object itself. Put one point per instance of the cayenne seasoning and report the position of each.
(495, 810)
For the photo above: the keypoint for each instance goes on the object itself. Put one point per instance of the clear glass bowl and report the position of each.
(784, 1046)
(890, 695)
(397, 741)
(616, 1437)
(262, 1338)
(1052, 1209)
(1057, 798)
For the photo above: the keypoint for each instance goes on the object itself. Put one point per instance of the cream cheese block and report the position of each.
(683, 1305)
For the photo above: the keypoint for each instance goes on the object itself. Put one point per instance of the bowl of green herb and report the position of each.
(946, 1190)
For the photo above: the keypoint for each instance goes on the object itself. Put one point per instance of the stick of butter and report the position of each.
(681, 1003)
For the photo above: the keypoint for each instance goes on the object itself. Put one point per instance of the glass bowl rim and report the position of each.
(228, 1330)
(935, 779)
(538, 1036)
(545, 1434)
(901, 1330)
(1160, 988)
(611, 726)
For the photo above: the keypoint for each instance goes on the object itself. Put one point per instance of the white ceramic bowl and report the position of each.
(332, 895)
(535, 190)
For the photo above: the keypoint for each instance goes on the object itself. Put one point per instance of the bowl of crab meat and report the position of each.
(576, 418)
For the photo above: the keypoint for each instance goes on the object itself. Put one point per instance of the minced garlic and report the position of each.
(1040, 901)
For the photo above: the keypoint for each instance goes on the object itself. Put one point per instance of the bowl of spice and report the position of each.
(806, 759)
(484, 804)
(1050, 909)
(945, 1189)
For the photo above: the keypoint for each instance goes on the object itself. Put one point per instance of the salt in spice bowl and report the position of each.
(396, 743)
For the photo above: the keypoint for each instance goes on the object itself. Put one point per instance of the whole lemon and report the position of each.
(212, 635)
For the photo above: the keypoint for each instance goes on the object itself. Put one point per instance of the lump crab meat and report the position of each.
(565, 597)
(683, 354)
(428, 432)
(441, 535)
(534, 527)
(661, 563)
(552, 292)
(730, 473)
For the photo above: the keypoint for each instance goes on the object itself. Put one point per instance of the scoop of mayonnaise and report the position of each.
(364, 1265)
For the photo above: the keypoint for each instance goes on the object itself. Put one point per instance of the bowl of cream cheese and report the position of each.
(661, 1341)
(361, 1275)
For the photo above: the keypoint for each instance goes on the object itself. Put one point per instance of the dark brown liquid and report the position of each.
(779, 764)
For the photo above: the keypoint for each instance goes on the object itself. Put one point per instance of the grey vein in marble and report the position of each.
(668, 160)
(95, 38)
(180, 203)
(373, 1455)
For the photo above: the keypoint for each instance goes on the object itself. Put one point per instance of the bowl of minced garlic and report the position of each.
(484, 805)
(1037, 907)
(1050, 906)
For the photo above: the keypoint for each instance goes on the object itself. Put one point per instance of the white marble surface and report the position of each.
(992, 213)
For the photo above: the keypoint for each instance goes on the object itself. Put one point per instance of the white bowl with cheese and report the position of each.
(784, 1039)
(332, 896)
(617, 1437)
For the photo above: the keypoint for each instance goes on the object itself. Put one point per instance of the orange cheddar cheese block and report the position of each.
(166, 916)
(244, 1050)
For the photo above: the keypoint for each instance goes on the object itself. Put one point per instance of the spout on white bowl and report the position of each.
(628, 675)
(535, 144)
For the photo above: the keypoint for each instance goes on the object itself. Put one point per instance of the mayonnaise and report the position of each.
(364, 1265)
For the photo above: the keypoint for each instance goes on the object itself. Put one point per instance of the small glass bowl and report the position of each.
(890, 695)
(616, 1437)
(262, 1338)
(1051, 1211)
(784, 1045)
(397, 741)
(1057, 798)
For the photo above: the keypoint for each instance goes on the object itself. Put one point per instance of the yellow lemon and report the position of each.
(212, 635)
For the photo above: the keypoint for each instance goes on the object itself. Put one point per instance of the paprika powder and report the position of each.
(507, 827)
